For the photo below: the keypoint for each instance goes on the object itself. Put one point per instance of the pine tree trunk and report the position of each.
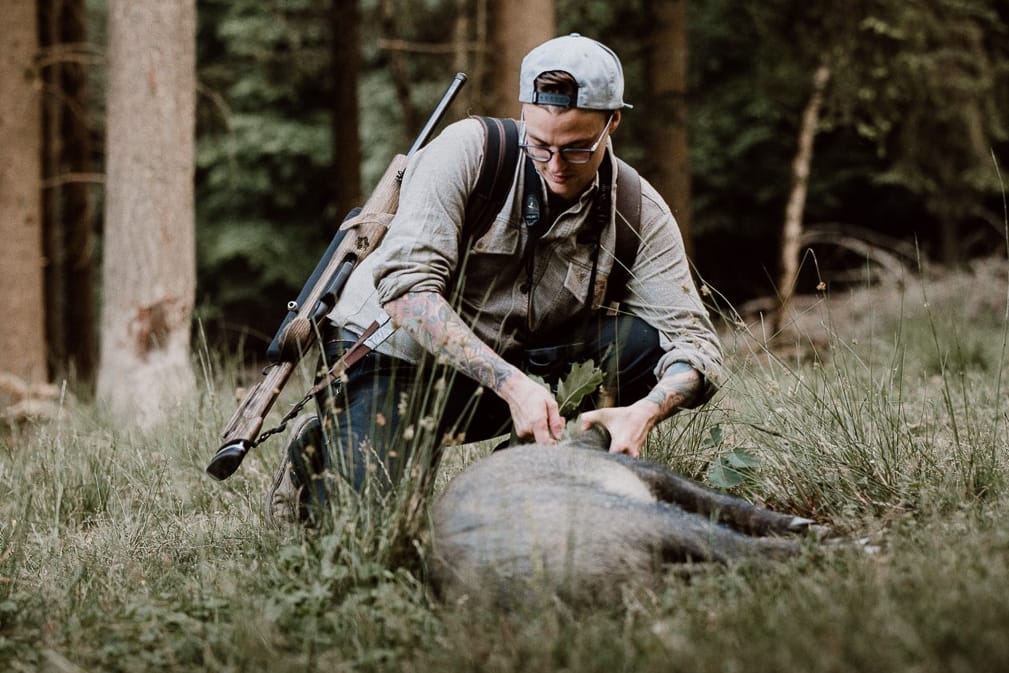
(517, 26)
(668, 78)
(149, 260)
(346, 52)
(792, 230)
(22, 309)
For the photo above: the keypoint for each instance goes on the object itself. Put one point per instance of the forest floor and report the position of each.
(880, 411)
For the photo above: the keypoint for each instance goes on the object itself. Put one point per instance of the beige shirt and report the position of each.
(421, 253)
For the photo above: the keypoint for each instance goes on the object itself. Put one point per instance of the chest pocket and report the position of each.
(488, 262)
(498, 240)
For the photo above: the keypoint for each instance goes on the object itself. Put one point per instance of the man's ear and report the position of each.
(617, 116)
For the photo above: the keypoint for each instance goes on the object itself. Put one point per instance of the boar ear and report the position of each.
(596, 437)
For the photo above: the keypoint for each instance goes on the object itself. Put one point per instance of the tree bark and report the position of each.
(346, 52)
(516, 27)
(22, 309)
(668, 78)
(149, 254)
(791, 234)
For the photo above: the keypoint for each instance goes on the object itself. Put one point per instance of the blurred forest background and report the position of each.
(871, 132)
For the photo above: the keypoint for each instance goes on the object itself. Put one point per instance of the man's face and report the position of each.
(569, 128)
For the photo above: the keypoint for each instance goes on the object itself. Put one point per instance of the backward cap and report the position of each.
(594, 66)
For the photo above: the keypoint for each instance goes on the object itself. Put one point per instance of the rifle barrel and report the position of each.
(317, 298)
(446, 99)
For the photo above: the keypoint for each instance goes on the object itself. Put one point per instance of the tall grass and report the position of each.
(887, 419)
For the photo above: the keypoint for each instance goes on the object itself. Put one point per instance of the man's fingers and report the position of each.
(587, 420)
(557, 425)
(552, 426)
(626, 450)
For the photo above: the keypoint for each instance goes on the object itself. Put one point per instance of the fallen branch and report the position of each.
(887, 260)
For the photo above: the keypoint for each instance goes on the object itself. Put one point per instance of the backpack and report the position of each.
(501, 154)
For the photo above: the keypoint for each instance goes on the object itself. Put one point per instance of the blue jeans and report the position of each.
(387, 408)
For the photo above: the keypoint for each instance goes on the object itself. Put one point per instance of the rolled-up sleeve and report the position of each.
(662, 292)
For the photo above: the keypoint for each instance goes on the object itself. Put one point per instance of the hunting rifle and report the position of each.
(359, 235)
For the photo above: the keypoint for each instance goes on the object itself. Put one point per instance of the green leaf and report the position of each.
(714, 438)
(733, 468)
(721, 476)
(741, 459)
(583, 379)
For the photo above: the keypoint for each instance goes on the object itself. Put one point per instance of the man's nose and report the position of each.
(557, 161)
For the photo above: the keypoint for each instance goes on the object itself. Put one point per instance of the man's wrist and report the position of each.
(511, 383)
(679, 387)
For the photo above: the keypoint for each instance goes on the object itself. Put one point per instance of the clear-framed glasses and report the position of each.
(572, 155)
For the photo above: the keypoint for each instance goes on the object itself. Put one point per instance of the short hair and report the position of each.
(557, 81)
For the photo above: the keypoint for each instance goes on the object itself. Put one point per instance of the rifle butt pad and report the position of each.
(227, 459)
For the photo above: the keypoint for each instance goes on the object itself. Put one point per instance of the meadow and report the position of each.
(880, 411)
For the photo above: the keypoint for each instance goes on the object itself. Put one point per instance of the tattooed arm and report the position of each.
(432, 322)
(629, 426)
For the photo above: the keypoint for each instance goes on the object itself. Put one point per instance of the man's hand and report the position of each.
(629, 426)
(535, 412)
(438, 328)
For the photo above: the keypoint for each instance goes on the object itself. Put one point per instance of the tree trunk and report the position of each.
(149, 260)
(516, 27)
(791, 234)
(346, 52)
(22, 309)
(668, 78)
(68, 205)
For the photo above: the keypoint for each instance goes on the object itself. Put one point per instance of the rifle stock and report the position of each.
(357, 238)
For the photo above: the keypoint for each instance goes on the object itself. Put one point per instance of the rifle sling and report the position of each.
(350, 357)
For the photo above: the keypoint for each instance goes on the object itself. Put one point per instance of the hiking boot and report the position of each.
(284, 505)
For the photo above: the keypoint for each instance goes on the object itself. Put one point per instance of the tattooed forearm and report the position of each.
(438, 328)
(680, 385)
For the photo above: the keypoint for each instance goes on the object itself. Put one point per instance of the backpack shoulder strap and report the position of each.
(628, 233)
(501, 153)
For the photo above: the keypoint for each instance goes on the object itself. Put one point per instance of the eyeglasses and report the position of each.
(572, 155)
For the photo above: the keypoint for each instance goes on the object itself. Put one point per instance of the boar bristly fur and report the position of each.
(571, 518)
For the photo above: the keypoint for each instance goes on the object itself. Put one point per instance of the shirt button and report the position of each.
(524, 288)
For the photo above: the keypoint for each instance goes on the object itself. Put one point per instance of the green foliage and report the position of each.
(901, 72)
(263, 157)
(731, 468)
(936, 70)
(583, 380)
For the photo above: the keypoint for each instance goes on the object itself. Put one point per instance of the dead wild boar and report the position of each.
(573, 519)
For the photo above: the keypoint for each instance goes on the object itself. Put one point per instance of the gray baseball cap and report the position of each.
(594, 66)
